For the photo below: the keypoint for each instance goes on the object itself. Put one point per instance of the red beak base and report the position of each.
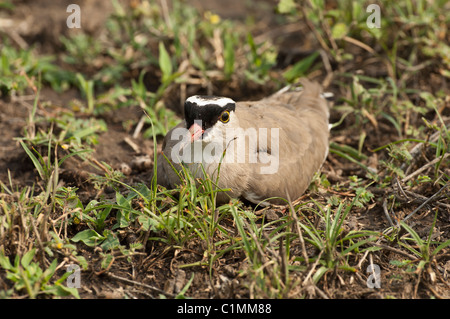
(196, 132)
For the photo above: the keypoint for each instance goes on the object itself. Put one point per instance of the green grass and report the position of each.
(46, 225)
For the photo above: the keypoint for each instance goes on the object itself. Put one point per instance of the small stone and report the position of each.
(125, 169)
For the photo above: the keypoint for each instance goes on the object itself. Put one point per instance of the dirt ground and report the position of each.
(157, 267)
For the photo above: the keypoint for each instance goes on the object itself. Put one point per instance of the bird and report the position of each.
(263, 151)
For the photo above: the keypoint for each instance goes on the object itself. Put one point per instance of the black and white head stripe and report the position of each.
(203, 100)
(206, 109)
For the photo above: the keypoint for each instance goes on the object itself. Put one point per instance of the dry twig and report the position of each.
(429, 200)
(137, 283)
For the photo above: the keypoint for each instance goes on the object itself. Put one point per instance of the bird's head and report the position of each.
(207, 115)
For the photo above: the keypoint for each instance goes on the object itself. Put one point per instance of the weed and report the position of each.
(336, 245)
(28, 275)
(425, 252)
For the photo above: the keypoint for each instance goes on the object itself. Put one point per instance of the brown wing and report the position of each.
(302, 119)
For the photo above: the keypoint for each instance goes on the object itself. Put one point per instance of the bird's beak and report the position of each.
(196, 132)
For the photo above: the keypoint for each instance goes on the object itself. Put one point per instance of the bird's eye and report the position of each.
(225, 117)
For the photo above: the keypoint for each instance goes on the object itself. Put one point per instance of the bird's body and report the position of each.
(267, 148)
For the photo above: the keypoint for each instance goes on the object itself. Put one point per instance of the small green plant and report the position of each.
(19, 66)
(335, 244)
(81, 49)
(29, 276)
(261, 59)
(354, 155)
(363, 195)
(301, 68)
(12, 62)
(194, 213)
(162, 118)
(425, 252)
(87, 89)
(267, 247)
(46, 166)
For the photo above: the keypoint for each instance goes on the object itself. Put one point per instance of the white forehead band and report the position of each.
(202, 101)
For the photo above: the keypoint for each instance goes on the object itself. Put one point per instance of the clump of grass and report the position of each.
(336, 245)
(18, 66)
(26, 219)
(29, 276)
